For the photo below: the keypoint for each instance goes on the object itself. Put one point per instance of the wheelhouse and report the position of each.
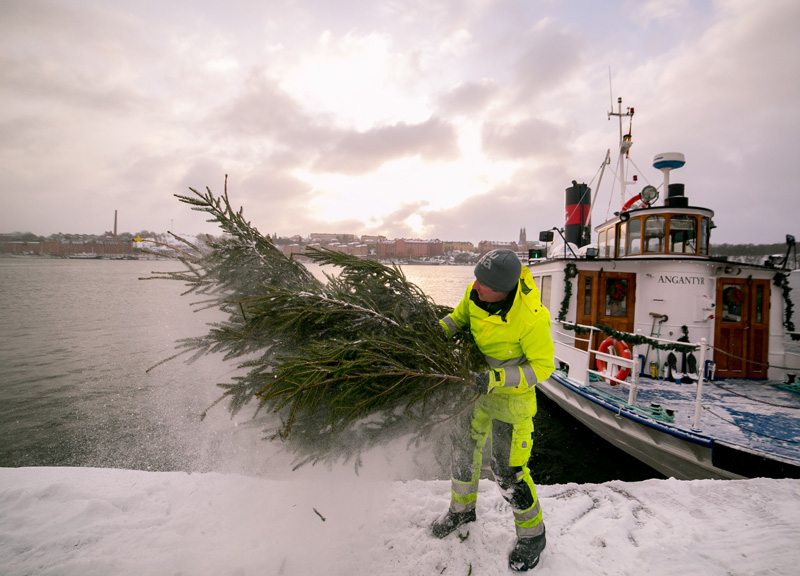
(654, 232)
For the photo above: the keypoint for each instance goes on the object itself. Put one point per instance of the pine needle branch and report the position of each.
(362, 353)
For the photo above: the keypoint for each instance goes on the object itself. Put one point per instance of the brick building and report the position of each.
(485, 246)
(410, 248)
(450, 246)
(101, 248)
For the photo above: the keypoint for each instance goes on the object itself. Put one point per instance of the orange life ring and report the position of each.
(621, 349)
(631, 202)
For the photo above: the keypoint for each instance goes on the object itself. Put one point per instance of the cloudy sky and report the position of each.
(450, 119)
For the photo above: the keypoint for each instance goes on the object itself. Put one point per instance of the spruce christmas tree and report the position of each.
(336, 367)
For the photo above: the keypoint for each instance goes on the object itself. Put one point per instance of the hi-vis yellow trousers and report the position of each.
(504, 422)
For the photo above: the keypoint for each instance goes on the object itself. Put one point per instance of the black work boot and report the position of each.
(525, 554)
(450, 521)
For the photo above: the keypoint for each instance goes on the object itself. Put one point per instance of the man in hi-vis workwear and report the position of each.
(503, 310)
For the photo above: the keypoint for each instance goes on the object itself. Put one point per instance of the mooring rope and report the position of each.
(752, 361)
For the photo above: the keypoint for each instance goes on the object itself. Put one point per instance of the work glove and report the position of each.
(482, 383)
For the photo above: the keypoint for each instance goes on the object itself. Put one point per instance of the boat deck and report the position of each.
(760, 416)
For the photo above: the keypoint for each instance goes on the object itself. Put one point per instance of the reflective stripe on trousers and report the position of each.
(463, 495)
(528, 523)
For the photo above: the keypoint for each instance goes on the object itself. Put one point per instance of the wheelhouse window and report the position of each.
(654, 232)
(683, 235)
(601, 244)
(634, 236)
(657, 234)
(705, 235)
(611, 242)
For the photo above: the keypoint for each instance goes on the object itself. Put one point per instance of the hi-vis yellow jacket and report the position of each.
(518, 348)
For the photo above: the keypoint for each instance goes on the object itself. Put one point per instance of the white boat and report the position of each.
(680, 359)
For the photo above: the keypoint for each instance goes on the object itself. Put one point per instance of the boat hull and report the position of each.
(676, 453)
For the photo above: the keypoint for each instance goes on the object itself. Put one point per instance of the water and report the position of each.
(78, 338)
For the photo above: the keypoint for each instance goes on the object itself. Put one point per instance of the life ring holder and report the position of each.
(621, 350)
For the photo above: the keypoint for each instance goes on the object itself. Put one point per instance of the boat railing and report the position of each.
(578, 362)
(630, 364)
(574, 360)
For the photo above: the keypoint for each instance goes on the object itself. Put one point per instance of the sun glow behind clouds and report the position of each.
(414, 222)
(360, 79)
(366, 82)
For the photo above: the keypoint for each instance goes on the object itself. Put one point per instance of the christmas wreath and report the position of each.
(617, 290)
(733, 296)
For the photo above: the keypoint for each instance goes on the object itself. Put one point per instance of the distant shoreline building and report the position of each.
(100, 247)
(410, 248)
(458, 246)
(485, 246)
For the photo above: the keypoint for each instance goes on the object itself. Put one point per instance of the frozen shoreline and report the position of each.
(86, 521)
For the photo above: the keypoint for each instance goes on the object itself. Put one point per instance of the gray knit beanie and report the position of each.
(499, 270)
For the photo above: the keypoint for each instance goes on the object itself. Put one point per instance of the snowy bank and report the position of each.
(88, 521)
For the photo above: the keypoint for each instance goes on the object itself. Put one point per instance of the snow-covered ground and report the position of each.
(89, 521)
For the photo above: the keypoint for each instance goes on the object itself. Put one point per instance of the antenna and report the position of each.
(625, 143)
(610, 92)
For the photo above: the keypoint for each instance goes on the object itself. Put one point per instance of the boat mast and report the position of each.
(625, 143)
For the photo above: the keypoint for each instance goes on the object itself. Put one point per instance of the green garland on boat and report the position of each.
(782, 280)
(570, 272)
(633, 339)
